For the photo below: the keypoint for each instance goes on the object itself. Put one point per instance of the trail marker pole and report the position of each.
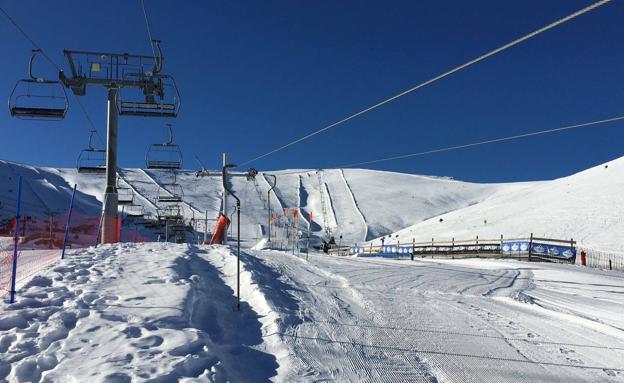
(71, 207)
(16, 240)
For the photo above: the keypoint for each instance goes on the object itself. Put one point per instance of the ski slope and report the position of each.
(163, 312)
(361, 205)
(358, 204)
(587, 206)
(361, 319)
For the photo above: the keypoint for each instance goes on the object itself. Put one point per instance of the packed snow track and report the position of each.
(159, 312)
(368, 319)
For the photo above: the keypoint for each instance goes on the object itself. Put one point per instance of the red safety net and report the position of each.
(40, 240)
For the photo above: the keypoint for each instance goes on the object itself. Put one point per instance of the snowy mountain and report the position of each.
(587, 206)
(361, 205)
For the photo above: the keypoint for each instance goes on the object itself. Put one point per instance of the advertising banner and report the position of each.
(537, 248)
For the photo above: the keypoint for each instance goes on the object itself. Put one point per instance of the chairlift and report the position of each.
(135, 211)
(158, 98)
(166, 156)
(169, 212)
(125, 195)
(171, 191)
(37, 98)
(92, 160)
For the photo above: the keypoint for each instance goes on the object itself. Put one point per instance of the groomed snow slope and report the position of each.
(359, 204)
(352, 319)
(587, 206)
(160, 312)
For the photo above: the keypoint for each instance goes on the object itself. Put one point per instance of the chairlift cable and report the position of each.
(491, 141)
(434, 79)
(149, 32)
(31, 41)
(88, 117)
(472, 144)
(44, 54)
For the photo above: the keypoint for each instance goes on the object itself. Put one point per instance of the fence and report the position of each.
(38, 235)
(602, 259)
(530, 248)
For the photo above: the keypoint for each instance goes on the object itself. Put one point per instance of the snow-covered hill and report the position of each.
(358, 204)
(362, 205)
(587, 206)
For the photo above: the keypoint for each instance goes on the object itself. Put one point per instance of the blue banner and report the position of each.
(537, 248)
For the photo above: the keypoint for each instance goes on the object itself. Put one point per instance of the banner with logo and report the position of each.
(537, 248)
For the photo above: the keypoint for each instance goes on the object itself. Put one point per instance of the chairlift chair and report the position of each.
(158, 98)
(169, 212)
(135, 211)
(167, 156)
(38, 98)
(125, 195)
(91, 160)
(170, 193)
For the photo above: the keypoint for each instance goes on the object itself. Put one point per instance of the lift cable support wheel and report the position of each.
(91, 160)
(37, 98)
(167, 156)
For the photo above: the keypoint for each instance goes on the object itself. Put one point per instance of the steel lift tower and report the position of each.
(136, 87)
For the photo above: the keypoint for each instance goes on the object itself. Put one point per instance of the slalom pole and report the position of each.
(16, 240)
(71, 207)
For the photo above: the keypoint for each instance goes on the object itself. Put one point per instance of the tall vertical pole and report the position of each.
(16, 239)
(238, 255)
(269, 201)
(225, 196)
(71, 207)
(238, 224)
(109, 222)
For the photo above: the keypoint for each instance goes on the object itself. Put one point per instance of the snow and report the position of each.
(363, 319)
(586, 207)
(162, 312)
(158, 312)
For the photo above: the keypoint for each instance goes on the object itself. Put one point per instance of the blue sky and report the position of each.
(255, 75)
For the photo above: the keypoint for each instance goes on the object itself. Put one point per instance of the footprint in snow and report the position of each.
(148, 342)
(132, 332)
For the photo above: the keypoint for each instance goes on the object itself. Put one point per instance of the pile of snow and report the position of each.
(122, 313)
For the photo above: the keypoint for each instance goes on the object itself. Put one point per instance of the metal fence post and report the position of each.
(71, 207)
(530, 246)
(16, 240)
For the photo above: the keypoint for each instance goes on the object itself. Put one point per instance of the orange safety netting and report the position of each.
(40, 241)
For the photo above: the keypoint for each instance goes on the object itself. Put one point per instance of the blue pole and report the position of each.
(16, 239)
(71, 207)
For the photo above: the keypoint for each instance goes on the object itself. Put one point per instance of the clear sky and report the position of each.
(254, 75)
